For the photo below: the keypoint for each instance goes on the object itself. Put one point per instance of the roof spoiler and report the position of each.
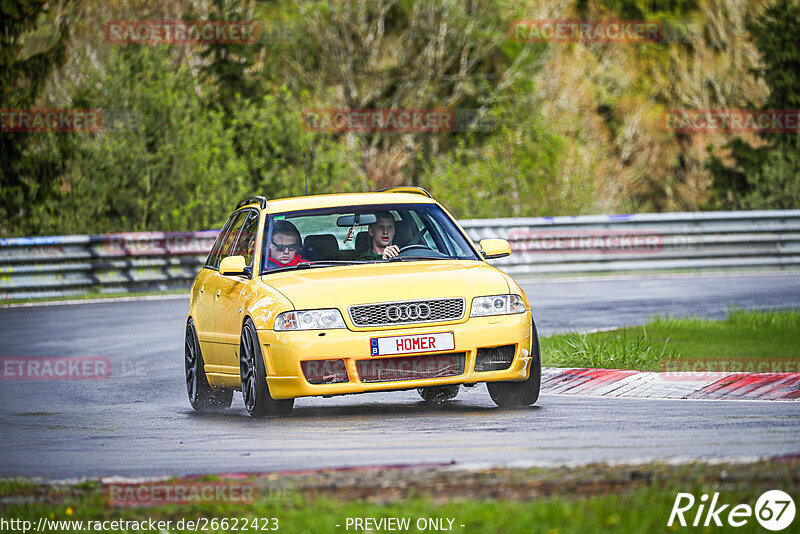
(406, 189)
(261, 201)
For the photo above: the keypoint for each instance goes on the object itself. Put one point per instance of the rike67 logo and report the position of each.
(774, 510)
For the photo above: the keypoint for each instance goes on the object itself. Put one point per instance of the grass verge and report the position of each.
(596, 498)
(742, 336)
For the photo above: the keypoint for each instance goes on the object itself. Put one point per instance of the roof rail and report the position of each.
(406, 189)
(252, 200)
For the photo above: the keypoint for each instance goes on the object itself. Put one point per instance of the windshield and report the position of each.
(359, 234)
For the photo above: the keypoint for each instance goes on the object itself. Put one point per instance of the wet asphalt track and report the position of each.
(138, 421)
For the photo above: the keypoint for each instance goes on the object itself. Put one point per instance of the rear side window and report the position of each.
(246, 244)
(225, 240)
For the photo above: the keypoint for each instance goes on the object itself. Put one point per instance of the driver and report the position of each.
(381, 233)
(283, 250)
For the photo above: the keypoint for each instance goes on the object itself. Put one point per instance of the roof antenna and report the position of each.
(305, 172)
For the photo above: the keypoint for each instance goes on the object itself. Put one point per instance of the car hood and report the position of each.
(340, 287)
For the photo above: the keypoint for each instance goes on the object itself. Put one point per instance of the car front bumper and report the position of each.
(284, 351)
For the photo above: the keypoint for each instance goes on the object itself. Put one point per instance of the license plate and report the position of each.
(412, 344)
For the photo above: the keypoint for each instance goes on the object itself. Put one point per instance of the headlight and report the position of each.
(310, 320)
(496, 305)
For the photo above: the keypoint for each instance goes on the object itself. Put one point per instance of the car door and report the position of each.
(228, 307)
(204, 289)
(215, 340)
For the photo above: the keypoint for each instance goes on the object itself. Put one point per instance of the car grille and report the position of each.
(411, 368)
(408, 312)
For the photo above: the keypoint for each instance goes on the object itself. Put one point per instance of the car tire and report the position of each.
(439, 393)
(525, 393)
(257, 400)
(202, 396)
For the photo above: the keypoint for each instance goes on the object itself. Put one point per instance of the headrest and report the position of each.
(362, 242)
(321, 247)
(402, 233)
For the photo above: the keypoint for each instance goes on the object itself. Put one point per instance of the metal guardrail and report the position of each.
(45, 267)
(657, 242)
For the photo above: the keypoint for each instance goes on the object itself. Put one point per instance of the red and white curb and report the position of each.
(626, 383)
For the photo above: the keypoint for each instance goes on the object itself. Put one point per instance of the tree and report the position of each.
(759, 172)
(31, 162)
(226, 68)
(513, 173)
(386, 54)
(168, 165)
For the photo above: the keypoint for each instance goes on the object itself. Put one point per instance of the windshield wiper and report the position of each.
(313, 264)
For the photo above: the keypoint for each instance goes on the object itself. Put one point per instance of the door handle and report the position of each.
(216, 295)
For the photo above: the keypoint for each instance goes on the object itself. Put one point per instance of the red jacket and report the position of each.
(272, 264)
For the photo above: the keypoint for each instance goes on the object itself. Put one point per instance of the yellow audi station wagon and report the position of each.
(350, 293)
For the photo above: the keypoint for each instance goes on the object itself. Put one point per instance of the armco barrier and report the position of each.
(69, 265)
(43, 267)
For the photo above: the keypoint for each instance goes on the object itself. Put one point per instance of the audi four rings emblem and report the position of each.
(399, 312)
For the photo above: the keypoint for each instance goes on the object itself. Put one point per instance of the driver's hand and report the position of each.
(391, 252)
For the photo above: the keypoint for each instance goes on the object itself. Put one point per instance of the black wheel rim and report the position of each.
(190, 353)
(247, 370)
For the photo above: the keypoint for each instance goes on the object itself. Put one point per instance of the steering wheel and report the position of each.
(412, 247)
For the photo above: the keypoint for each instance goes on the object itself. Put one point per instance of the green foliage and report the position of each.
(31, 163)
(271, 140)
(512, 173)
(641, 9)
(775, 33)
(766, 177)
(227, 65)
(170, 164)
(575, 124)
(776, 184)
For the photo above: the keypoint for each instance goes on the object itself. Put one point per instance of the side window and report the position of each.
(213, 257)
(246, 244)
(427, 237)
(443, 238)
(228, 240)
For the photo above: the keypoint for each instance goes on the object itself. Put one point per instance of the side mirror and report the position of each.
(495, 248)
(233, 266)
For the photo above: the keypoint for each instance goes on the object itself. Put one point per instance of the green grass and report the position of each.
(595, 499)
(16, 486)
(741, 335)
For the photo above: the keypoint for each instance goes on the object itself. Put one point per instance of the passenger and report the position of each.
(382, 234)
(283, 250)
